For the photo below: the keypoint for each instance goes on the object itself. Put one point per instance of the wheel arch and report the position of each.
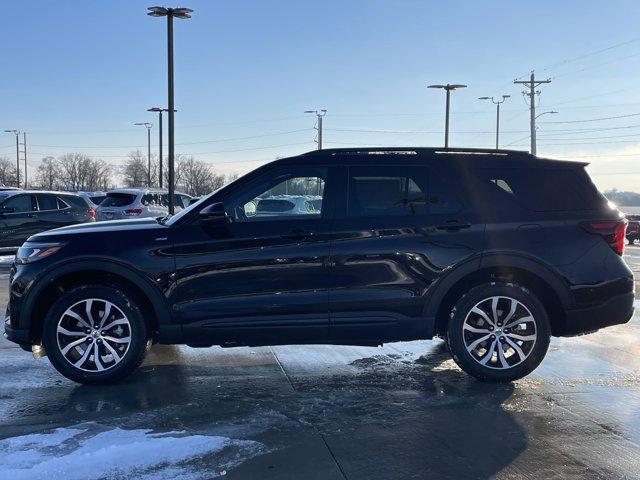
(55, 282)
(539, 278)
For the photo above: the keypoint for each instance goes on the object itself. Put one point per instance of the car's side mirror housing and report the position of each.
(214, 213)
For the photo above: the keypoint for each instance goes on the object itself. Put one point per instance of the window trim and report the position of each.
(29, 195)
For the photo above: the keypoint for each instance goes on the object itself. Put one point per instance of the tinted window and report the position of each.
(19, 203)
(47, 202)
(96, 199)
(544, 189)
(281, 196)
(385, 191)
(62, 203)
(118, 200)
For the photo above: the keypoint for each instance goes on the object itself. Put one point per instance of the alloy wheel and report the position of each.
(499, 332)
(93, 335)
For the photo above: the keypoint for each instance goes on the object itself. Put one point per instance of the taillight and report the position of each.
(613, 233)
(92, 213)
(133, 212)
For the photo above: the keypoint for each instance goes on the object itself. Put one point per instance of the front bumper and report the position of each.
(16, 335)
(615, 311)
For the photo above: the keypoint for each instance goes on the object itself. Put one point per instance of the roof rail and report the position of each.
(414, 151)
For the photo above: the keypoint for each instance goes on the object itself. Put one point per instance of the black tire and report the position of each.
(495, 370)
(136, 328)
(631, 240)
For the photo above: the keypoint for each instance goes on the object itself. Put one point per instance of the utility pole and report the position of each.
(159, 110)
(497, 104)
(24, 145)
(447, 88)
(319, 114)
(532, 83)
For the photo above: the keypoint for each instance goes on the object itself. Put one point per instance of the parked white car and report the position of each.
(125, 203)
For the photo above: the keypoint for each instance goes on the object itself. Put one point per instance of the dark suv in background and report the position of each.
(26, 212)
(494, 251)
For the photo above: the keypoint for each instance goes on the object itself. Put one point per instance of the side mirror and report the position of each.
(214, 213)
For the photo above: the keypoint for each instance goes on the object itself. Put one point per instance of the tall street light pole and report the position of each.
(534, 140)
(170, 13)
(447, 88)
(159, 110)
(17, 134)
(319, 114)
(148, 127)
(497, 103)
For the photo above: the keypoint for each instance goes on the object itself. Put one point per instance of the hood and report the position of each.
(97, 228)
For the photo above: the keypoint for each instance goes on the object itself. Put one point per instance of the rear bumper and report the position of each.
(615, 311)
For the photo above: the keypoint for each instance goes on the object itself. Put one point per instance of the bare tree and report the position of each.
(7, 172)
(81, 172)
(48, 174)
(233, 177)
(198, 177)
(135, 172)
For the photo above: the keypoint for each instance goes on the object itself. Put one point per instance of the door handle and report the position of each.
(298, 234)
(453, 225)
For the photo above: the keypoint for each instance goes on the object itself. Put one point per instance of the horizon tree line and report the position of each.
(79, 172)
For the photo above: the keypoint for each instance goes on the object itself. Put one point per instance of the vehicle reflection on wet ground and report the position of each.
(400, 411)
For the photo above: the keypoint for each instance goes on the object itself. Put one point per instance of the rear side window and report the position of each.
(544, 189)
(47, 202)
(97, 199)
(387, 191)
(116, 199)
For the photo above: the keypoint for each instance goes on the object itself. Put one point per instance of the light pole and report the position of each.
(148, 127)
(534, 138)
(182, 13)
(497, 104)
(319, 114)
(17, 134)
(159, 110)
(447, 88)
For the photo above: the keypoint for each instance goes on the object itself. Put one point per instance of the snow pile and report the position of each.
(90, 451)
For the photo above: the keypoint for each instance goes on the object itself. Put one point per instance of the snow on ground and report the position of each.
(93, 451)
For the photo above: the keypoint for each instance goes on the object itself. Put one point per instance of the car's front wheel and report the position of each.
(95, 334)
(498, 332)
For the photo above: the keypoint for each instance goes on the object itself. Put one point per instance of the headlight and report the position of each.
(32, 252)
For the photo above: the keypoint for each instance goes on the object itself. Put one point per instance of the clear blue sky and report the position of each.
(77, 74)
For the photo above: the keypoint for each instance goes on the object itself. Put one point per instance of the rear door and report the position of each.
(388, 250)
(21, 222)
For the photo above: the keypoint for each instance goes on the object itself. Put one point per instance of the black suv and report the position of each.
(26, 212)
(494, 251)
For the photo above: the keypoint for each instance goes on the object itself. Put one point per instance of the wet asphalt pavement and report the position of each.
(401, 411)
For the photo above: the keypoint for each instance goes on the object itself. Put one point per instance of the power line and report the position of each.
(593, 119)
(589, 54)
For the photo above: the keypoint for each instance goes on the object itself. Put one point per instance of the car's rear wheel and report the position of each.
(95, 334)
(498, 332)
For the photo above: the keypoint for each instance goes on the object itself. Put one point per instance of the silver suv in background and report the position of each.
(279, 205)
(126, 203)
(93, 198)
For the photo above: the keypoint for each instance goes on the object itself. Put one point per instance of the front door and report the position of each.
(19, 221)
(261, 277)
